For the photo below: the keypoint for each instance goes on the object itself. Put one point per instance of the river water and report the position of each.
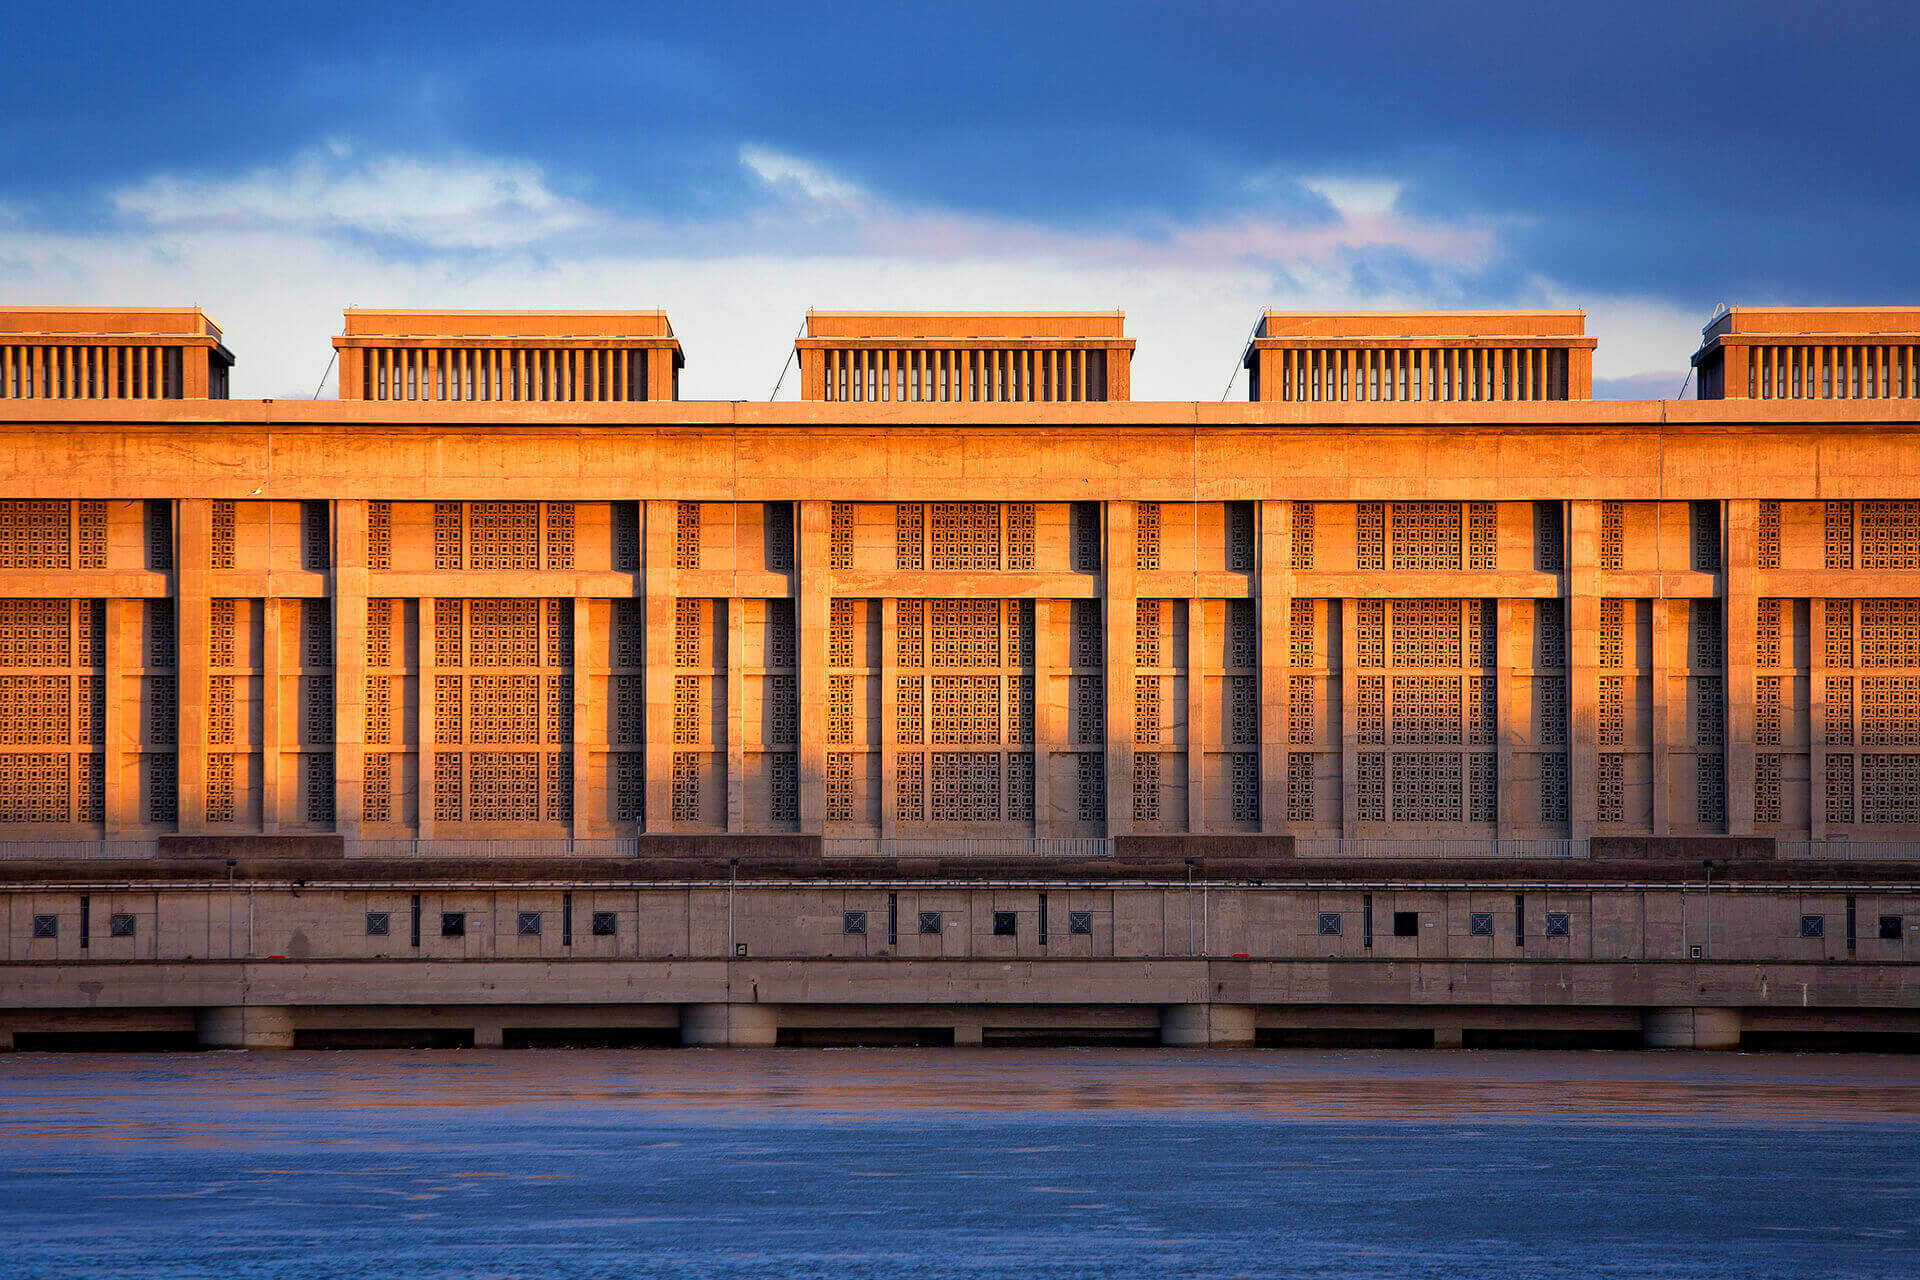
(959, 1162)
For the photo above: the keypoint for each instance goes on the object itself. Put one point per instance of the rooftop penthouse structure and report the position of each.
(1422, 663)
(1810, 353)
(1413, 356)
(524, 356)
(95, 353)
(974, 357)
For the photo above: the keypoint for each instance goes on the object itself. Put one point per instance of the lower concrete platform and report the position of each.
(745, 1024)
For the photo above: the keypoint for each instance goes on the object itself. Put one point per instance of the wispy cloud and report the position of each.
(277, 251)
(455, 203)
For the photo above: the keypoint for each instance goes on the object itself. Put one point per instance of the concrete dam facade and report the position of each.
(508, 698)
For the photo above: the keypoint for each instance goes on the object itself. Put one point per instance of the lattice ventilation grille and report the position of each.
(842, 633)
(1302, 630)
(840, 535)
(1838, 530)
(1889, 535)
(1243, 787)
(1768, 637)
(42, 535)
(1146, 709)
(1240, 537)
(1085, 536)
(629, 626)
(686, 536)
(1303, 719)
(1767, 537)
(1370, 535)
(1146, 788)
(1427, 787)
(910, 787)
(505, 681)
(60, 704)
(1553, 789)
(1767, 711)
(1890, 789)
(840, 716)
(1146, 634)
(379, 535)
(220, 534)
(1088, 638)
(966, 535)
(965, 786)
(1300, 801)
(1612, 785)
(1889, 711)
(1301, 557)
(1613, 536)
(1613, 711)
(1766, 789)
(36, 787)
(964, 633)
(376, 788)
(1146, 536)
(1706, 638)
(1425, 536)
(1704, 517)
(909, 536)
(1889, 633)
(1710, 778)
(1243, 637)
(783, 787)
(1549, 538)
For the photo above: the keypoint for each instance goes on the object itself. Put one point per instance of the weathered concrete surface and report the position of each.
(1212, 1026)
(1695, 1028)
(244, 1027)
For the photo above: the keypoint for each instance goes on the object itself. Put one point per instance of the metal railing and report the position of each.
(1058, 848)
(1436, 847)
(1849, 850)
(77, 850)
(457, 847)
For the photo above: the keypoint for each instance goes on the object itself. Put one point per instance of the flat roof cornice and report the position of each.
(887, 416)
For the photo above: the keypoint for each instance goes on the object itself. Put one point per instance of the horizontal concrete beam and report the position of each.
(1113, 982)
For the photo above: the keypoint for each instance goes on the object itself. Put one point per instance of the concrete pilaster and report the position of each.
(736, 739)
(1212, 1026)
(244, 1027)
(121, 803)
(811, 625)
(193, 555)
(1816, 720)
(426, 660)
(1506, 731)
(587, 734)
(1274, 589)
(660, 585)
(734, 1024)
(888, 738)
(1196, 669)
(1122, 620)
(1582, 594)
(1662, 707)
(1045, 732)
(1697, 1028)
(1350, 719)
(1740, 612)
(349, 582)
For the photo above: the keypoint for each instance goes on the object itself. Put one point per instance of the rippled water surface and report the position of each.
(942, 1162)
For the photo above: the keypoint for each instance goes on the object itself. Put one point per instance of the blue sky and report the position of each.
(738, 163)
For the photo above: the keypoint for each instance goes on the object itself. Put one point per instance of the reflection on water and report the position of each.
(960, 1162)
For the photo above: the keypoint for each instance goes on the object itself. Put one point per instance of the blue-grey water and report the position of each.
(957, 1162)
